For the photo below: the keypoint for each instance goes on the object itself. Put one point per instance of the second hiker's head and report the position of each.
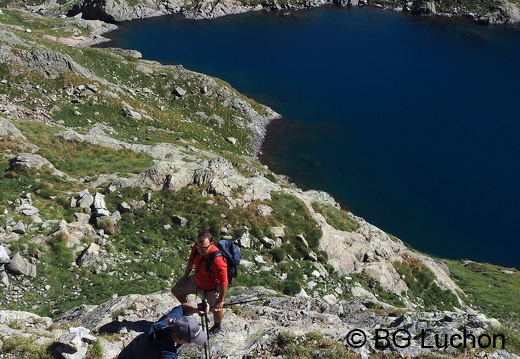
(187, 330)
(204, 241)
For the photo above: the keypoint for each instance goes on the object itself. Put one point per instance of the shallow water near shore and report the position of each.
(412, 123)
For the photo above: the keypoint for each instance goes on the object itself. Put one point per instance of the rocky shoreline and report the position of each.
(501, 12)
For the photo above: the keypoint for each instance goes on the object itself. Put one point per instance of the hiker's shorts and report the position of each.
(190, 287)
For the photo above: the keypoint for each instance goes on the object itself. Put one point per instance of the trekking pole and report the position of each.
(241, 302)
(244, 302)
(208, 353)
(204, 328)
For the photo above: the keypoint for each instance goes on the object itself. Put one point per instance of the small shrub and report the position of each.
(278, 254)
(323, 256)
(61, 255)
(95, 351)
(271, 177)
(16, 325)
(118, 313)
(107, 224)
(257, 231)
(295, 249)
(291, 287)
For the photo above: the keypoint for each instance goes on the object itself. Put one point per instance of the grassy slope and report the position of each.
(141, 245)
(491, 289)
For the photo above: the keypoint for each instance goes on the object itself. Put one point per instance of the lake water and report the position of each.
(411, 123)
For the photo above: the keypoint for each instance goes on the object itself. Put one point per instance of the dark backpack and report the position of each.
(231, 253)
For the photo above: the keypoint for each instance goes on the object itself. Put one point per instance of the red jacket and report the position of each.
(217, 275)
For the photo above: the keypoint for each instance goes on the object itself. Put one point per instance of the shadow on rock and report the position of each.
(116, 326)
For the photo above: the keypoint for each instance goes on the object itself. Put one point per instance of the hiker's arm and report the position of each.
(189, 309)
(186, 274)
(191, 262)
(163, 321)
(187, 271)
(222, 281)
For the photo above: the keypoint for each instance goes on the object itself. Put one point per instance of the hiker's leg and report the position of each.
(182, 290)
(218, 315)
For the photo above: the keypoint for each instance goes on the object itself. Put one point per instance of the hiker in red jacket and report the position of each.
(210, 279)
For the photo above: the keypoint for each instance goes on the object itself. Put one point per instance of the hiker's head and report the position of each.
(204, 241)
(187, 330)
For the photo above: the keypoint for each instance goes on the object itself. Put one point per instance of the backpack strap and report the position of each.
(208, 261)
(211, 258)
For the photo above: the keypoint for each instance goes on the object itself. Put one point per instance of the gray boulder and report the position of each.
(181, 221)
(89, 256)
(129, 112)
(74, 345)
(19, 228)
(264, 210)
(84, 199)
(179, 91)
(52, 64)
(503, 12)
(4, 257)
(32, 160)
(245, 240)
(277, 232)
(28, 210)
(98, 206)
(423, 7)
(20, 266)
(268, 242)
(4, 279)
(124, 207)
(8, 129)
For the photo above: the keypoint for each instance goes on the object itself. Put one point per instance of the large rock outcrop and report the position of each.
(256, 335)
(503, 12)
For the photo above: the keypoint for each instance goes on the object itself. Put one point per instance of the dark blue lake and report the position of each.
(411, 123)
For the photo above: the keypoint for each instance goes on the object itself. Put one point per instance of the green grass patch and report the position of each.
(48, 192)
(178, 115)
(310, 346)
(79, 159)
(25, 347)
(38, 25)
(86, 160)
(293, 213)
(336, 217)
(373, 286)
(95, 351)
(494, 290)
(422, 287)
(511, 333)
